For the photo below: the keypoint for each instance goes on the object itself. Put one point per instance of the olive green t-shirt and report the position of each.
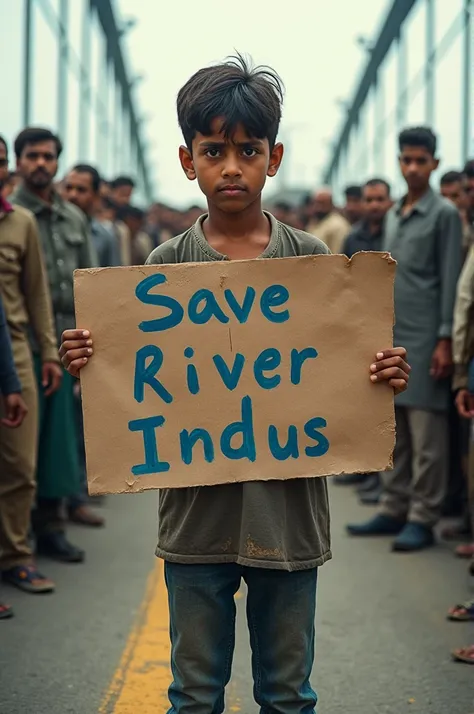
(265, 524)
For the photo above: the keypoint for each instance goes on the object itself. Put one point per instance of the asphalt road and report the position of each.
(99, 644)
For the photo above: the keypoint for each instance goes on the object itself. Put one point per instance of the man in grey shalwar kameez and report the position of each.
(423, 232)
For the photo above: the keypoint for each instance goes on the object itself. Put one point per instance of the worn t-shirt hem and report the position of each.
(246, 562)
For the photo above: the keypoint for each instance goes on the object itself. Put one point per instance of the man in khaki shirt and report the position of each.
(25, 295)
(326, 223)
(67, 246)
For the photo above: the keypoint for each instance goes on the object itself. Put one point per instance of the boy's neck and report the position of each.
(242, 226)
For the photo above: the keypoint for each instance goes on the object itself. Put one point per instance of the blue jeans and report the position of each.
(280, 613)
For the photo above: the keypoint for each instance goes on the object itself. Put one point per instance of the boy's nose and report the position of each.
(231, 168)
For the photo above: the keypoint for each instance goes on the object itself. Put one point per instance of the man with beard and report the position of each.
(25, 297)
(67, 246)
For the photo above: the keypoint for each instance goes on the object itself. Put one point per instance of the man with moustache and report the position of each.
(67, 246)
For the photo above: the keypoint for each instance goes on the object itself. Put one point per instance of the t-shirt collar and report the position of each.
(212, 254)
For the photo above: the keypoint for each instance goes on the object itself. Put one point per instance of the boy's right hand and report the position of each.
(76, 350)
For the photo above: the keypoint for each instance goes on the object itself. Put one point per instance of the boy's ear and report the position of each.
(187, 163)
(276, 157)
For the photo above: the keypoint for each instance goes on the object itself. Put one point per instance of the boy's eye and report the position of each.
(213, 153)
(249, 151)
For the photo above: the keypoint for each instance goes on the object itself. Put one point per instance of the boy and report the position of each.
(276, 533)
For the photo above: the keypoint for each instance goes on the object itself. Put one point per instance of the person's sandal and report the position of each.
(462, 613)
(28, 579)
(6, 611)
(464, 654)
(466, 550)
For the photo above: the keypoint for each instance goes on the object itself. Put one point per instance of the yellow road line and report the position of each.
(140, 683)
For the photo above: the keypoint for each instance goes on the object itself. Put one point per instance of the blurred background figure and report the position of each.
(353, 208)
(10, 184)
(326, 222)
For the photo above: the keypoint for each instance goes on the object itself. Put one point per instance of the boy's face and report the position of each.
(417, 165)
(231, 172)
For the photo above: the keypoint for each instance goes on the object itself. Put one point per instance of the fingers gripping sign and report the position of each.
(391, 366)
(76, 350)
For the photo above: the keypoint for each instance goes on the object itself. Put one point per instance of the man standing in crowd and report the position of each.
(66, 244)
(141, 243)
(468, 186)
(121, 190)
(368, 234)
(452, 188)
(81, 187)
(13, 409)
(354, 209)
(326, 223)
(26, 300)
(119, 195)
(423, 232)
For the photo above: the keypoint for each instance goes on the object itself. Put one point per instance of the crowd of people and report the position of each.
(431, 235)
(49, 228)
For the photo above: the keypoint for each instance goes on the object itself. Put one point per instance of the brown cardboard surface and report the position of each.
(343, 309)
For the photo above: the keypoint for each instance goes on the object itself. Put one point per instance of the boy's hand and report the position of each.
(465, 404)
(75, 350)
(51, 378)
(15, 410)
(390, 366)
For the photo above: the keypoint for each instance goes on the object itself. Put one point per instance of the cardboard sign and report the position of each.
(207, 373)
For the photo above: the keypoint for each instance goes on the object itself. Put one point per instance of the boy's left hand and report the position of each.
(390, 366)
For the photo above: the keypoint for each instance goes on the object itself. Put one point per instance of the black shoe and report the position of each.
(350, 479)
(371, 498)
(372, 482)
(379, 525)
(57, 547)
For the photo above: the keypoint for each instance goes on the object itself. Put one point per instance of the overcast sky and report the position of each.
(311, 44)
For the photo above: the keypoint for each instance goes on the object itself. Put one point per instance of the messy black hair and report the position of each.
(130, 211)
(469, 169)
(354, 191)
(450, 177)
(235, 91)
(122, 181)
(378, 182)
(93, 173)
(36, 135)
(419, 136)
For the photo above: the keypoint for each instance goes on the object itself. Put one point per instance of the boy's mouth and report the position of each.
(232, 189)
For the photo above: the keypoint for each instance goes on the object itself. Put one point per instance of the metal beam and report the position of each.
(85, 103)
(391, 28)
(430, 63)
(63, 70)
(107, 19)
(28, 45)
(468, 78)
